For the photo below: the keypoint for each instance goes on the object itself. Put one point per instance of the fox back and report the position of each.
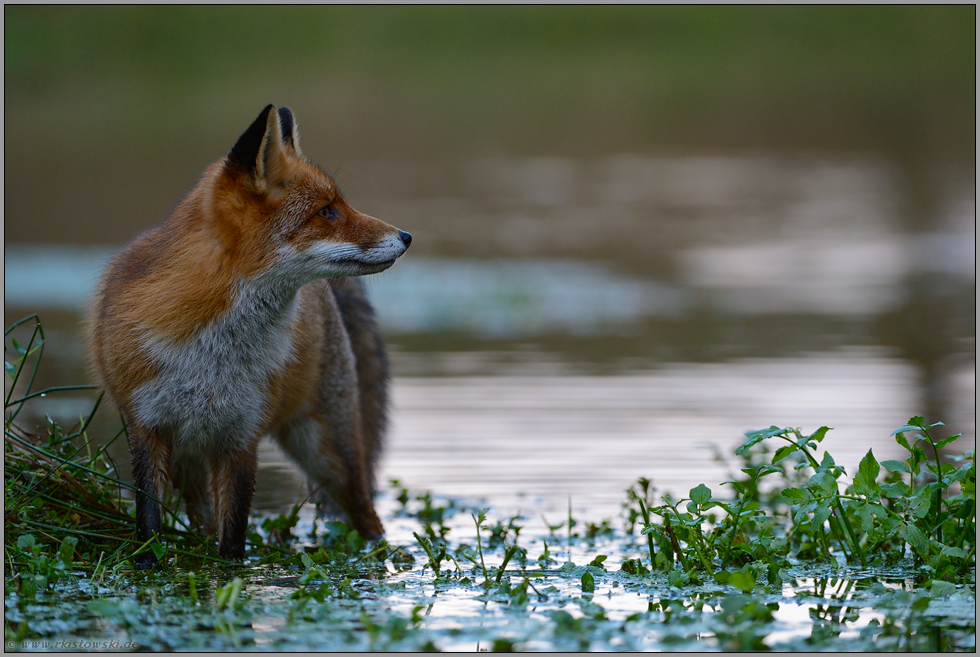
(236, 319)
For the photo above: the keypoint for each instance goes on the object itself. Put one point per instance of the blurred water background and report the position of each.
(638, 231)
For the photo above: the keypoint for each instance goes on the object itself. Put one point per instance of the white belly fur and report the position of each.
(210, 393)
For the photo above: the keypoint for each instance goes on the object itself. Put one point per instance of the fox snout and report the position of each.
(393, 245)
(387, 251)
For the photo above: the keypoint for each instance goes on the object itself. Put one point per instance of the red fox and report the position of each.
(236, 318)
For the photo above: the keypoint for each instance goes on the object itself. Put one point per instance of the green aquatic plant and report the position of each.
(936, 520)
(816, 514)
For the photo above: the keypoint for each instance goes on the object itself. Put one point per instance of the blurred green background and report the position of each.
(123, 106)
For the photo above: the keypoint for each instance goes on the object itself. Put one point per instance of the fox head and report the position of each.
(280, 212)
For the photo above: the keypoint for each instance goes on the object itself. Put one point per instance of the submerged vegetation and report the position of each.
(798, 553)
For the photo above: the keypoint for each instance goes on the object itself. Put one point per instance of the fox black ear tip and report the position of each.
(247, 148)
(266, 111)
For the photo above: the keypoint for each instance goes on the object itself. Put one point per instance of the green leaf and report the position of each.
(895, 466)
(772, 572)
(27, 588)
(919, 541)
(744, 581)
(900, 439)
(597, 562)
(863, 511)
(947, 440)
(737, 485)
(964, 472)
(939, 587)
(820, 515)
(868, 469)
(819, 434)
(721, 505)
(767, 470)
(633, 567)
(828, 461)
(822, 481)
(955, 552)
(783, 452)
(26, 542)
(9, 368)
(67, 549)
(914, 424)
(588, 582)
(754, 437)
(920, 502)
(700, 494)
(677, 578)
(895, 491)
(794, 495)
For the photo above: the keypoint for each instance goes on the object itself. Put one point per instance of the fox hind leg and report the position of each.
(192, 478)
(335, 468)
(331, 441)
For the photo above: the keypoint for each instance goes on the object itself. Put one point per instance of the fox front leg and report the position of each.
(151, 457)
(232, 486)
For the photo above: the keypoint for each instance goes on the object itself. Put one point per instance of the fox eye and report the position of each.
(327, 212)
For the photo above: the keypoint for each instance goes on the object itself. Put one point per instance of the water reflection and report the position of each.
(530, 443)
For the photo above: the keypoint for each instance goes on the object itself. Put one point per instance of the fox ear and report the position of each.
(290, 131)
(259, 151)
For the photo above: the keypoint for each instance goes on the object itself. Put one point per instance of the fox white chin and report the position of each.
(374, 268)
(361, 268)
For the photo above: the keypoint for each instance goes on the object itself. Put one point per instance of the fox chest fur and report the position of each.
(225, 384)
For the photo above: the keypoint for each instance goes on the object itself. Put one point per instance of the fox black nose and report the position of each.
(406, 238)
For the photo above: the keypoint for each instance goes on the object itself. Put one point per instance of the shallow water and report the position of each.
(819, 606)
